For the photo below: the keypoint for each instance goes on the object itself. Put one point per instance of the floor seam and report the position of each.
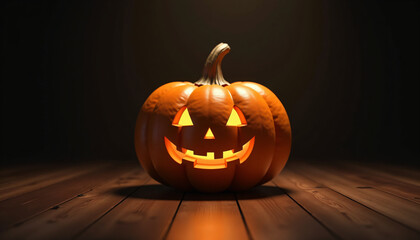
(304, 209)
(388, 217)
(243, 218)
(103, 215)
(165, 236)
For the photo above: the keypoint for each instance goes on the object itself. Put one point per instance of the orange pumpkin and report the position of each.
(211, 135)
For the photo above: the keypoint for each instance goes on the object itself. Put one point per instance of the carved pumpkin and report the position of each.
(211, 135)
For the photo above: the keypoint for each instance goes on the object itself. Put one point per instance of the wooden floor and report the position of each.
(120, 201)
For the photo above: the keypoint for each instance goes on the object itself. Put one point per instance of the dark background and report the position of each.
(75, 73)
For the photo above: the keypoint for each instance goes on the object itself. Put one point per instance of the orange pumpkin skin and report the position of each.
(209, 106)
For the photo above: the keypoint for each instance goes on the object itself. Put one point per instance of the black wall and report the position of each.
(75, 73)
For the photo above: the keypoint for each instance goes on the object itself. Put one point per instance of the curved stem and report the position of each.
(212, 73)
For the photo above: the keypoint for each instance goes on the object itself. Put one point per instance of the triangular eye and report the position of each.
(236, 118)
(182, 118)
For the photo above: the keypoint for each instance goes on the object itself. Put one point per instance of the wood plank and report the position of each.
(346, 218)
(390, 171)
(146, 214)
(405, 174)
(66, 220)
(372, 178)
(271, 214)
(30, 183)
(14, 170)
(25, 173)
(208, 216)
(20, 208)
(398, 209)
(16, 173)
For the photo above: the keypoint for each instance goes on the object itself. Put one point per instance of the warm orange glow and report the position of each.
(208, 161)
(171, 148)
(209, 134)
(236, 118)
(182, 118)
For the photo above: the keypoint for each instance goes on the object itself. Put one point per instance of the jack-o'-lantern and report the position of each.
(211, 135)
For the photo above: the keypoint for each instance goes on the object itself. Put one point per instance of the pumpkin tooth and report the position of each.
(228, 153)
(218, 154)
(200, 152)
(210, 155)
(189, 152)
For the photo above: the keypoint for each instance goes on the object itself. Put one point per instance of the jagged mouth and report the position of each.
(208, 161)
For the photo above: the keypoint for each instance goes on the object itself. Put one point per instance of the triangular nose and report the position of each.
(209, 134)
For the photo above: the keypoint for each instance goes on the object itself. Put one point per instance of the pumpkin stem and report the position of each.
(212, 73)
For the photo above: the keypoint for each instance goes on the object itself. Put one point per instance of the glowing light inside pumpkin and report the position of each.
(182, 118)
(208, 161)
(209, 134)
(236, 118)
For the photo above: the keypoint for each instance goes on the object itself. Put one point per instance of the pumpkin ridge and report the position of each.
(249, 101)
(282, 130)
(159, 111)
(142, 123)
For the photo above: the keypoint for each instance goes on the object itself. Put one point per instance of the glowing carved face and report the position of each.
(183, 119)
